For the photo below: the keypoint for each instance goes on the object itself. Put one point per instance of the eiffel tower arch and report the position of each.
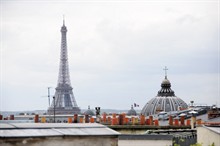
(64, 100)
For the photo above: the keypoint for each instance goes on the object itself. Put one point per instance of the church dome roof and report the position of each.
(89, 112)
(132, 112)
(165, 101)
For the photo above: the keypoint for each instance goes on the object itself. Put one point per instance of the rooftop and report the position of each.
(54, 129)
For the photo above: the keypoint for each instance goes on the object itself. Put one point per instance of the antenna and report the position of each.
(48, 89)
(63, 20)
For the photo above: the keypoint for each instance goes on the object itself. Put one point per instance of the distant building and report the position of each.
(64, 101)
(165, 100)
(89, 112)
(132, 112)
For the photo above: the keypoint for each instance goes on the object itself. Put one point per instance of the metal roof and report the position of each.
(6, 126)
(53, 125)
(54, 129)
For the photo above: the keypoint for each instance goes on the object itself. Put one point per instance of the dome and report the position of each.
(165, 88)
(165, 101)
(89, 112)
(132, 112)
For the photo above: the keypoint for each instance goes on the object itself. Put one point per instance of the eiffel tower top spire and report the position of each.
(63, 20)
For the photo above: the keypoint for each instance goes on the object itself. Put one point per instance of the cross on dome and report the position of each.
(165, 69)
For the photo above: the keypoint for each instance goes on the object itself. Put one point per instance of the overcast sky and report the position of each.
(117, 51)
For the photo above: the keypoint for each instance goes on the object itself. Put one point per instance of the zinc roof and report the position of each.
(54, 129)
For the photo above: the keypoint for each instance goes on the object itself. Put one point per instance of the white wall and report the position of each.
(206, 136)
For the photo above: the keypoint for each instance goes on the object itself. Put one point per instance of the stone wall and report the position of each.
(61, 141)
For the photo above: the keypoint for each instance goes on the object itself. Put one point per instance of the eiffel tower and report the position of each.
(64, 101)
